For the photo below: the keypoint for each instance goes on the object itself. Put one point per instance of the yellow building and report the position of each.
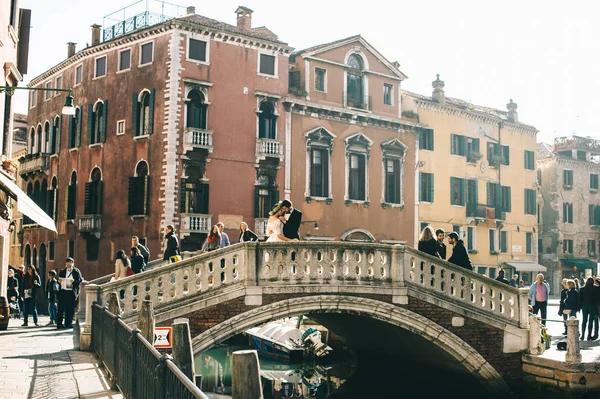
(477, 176)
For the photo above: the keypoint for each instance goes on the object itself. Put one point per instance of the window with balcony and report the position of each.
(473, 154)
(567, 212)
(567, 247)
(320, 79)
(498, 154)
(426, 139)
(458, 145)
(143, 113)
(97, 122)
(196, 110)
(267, 121)
(139, 191)
(472, 200)
(503, 242)
(593, 182)
(530, 202)
(100, 67)
(357, 154)
(388, 94)
(265, 199)
(146, 53)
(75, 128)
(354, 81)
(319, 143)
(393, 164)
(457, 191)
(93, 193)
(528, 243)
(426, 187)
(71, 198)
(197, 50)
(567, 179)
(55, 133)
(125, 60)
(267, 65)
(529, 160)
(194, 197)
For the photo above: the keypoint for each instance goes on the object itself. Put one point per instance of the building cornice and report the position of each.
(174, 25)
(345, 115)
(368, 72)
(477, 116)
(572, 162)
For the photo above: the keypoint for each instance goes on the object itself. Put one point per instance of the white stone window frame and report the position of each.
(140, 65)
(392, 91)
(358, 51)
(121, 123)
(276, 66)
(97, 128)
(75, 83)
(319, 138)
(474, 244)
(203, 38)
(324, 79)
(357, 144)
(96, 77)
(119, 70)
(142, 134)
(32, 99)
(274, 101)
(392, 149)
(202, 87)
(48, 90)
(496, 241)
(56, 85)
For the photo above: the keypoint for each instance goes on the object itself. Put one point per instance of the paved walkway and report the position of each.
(41, 362)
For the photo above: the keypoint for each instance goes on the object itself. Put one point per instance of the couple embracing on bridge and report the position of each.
(284, 222)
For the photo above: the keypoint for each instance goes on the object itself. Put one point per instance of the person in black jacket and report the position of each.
(441, 247)
(172, 248)
(587, 298)
(246, 234)
(52, 289)
(501, 277)
(460, 256)
(137, 261)
(427, 242)
(69, 279)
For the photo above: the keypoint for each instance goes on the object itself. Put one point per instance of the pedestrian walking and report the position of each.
(144, 251)
(538, 296)
(587, 304)
(122, 265)
(213, 241)
(514, 281)
(427, 242)
(460, 256)
(69, 279)
(246, 234)
(224, 237)
(31, 285)
(501, 277)
(52, 290)
(441, 247)
(137, 261)
(172, 250)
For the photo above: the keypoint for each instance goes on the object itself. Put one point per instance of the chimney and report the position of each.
(244, 18)
(95, 34)
(191, 10)
(513, 116)
(438, 91)
(70, 49)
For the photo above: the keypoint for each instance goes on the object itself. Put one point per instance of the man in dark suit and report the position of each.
(69, 279)
(292, 225)
(441, 247)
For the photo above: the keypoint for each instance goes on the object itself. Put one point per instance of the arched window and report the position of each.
(26, 219)
(75, 128)
(55, 136)
(53, 199)
(144, 113)
(34, 257)
(139, 190)
(36, 193)
(44, 196)
(31, 147)
(93, 193)
(46, 140)
(97, 123)
(354, 82)
(27, 255)
(38, 140)
(196, 110)
(267, 121)
(72, 197)
(357, 177)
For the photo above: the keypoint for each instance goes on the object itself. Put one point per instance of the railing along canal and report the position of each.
(319, 267)
(139, 369)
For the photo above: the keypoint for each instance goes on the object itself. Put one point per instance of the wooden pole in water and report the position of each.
(245, 375)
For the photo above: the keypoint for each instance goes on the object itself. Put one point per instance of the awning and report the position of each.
(581, 263)
(526, 266)
(26, 205)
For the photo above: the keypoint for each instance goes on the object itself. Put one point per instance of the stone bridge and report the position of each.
(481, 323)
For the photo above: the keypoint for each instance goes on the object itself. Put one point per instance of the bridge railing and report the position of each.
(322, 264)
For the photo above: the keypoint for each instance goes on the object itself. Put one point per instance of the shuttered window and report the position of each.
(458, 145)
(426, 139)
(529, 243)
(393, 181)
(457, 191)
(506, 199)
(504, 242)
(568, 178)
(142, 113)
(426, 191)
(138, 195)
(319, 172)
(530, 202)
(567, 212)
(529, 160)
(593, 181)
(194, 197)
(356, 177)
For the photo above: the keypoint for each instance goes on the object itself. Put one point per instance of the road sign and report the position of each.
(163, 337)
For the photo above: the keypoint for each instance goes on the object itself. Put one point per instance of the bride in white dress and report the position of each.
(275, 225)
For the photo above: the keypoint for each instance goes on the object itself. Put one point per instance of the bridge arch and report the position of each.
(397, 316)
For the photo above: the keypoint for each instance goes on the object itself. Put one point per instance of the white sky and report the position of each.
(542, 54)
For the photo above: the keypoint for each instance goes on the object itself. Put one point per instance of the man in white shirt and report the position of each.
(69, 279)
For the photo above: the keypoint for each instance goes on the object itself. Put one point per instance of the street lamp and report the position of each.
(68, 108)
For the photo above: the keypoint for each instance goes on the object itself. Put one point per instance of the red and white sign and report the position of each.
(163, 337)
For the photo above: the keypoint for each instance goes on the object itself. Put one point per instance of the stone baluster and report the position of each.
(535, 337)
(573, 354)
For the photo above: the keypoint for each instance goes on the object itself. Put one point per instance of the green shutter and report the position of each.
(430, 182)
(79, 124)
(99, 192)
(87, 199)
(132, 197)
(58, 134)
(452, 143)
(183, 196)
(421, 187)
(151, 117)
(135, 112)
(462, 191)
(102, 138)
(90, 128)
(70, 140)
(146, 207)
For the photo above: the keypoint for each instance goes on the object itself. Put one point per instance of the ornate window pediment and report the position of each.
(358, 143)
(393, 148)
(320, 137)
